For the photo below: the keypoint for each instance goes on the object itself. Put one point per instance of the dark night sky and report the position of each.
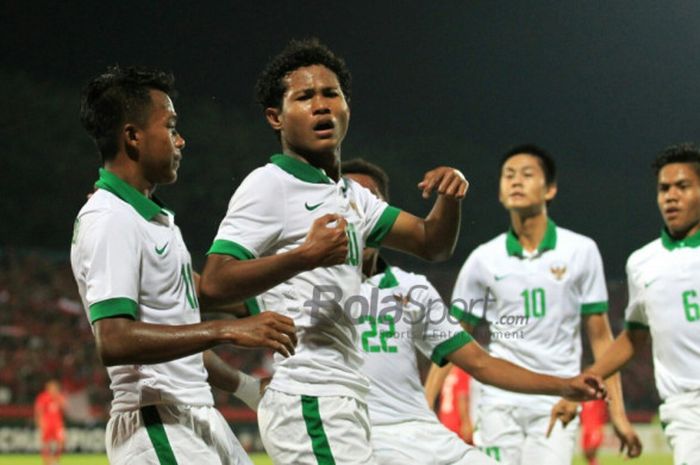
(602, 85)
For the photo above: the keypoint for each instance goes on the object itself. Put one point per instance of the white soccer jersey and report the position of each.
(271, 212)
(129, 259)
(664, 298)
(533, 303)
(402, 312)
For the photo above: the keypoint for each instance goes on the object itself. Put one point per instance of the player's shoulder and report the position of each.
(408, 278)
(645, 253)
(494, 246)
(570, 238)
(104, 207)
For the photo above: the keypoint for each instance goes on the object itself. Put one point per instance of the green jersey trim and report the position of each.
(549, 241)
(157, 435)
(635, 325)
(300, 170)
(314, 427)
(237, 251)
(383, 226)
(120, 306)
(445, 348)
(594, 308)
(145, 207)
(388, 280)
(461, 315)
(224, 247)
(670, 243)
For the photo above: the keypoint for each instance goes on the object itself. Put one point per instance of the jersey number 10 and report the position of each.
(535, 302)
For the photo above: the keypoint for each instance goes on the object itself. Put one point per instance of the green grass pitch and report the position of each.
(261, 459)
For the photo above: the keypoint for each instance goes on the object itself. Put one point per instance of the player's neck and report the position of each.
(328, 162)
(530, 229)
(130, 174)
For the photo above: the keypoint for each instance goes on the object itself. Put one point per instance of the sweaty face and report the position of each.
(523, 187)
(678, 196)
(160, 145)
(314, 115)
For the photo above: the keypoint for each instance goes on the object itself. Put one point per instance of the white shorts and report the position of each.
(680, 416)
(182, 434)
(424, 442)
(516, 436)
(306, 430)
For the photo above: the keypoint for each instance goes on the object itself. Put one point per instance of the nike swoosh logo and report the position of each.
(162, 249)
(312, 207)
(649, 283)
(499, 277)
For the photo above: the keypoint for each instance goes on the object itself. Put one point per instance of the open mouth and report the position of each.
(324, 128)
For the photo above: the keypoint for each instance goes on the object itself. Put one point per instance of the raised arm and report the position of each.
(228, 279)
(434, 237)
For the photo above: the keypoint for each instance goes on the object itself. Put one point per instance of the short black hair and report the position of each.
(686, 152)
(270, 87)
(362, 166)
(116, 96)
(546, 161)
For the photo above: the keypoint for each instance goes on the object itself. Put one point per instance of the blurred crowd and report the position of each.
(44, 334)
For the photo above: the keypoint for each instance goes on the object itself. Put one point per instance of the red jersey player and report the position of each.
(454, 404)
(48, 414)
(594, 415)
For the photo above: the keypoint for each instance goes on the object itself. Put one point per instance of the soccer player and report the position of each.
(135, 279)
(535, 285)
(664, 302)
(401, 313)
(314, 410)
(48, 416)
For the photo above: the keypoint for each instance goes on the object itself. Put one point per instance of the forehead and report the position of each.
(674, 172)
(161, 103)
(522, 161)
(308, 77)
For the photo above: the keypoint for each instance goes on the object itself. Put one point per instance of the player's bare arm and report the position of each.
(434, 381)
(123, 341)
(435, 236)
(505, 375)
(600, 337)
(620, 352)
(226, 279)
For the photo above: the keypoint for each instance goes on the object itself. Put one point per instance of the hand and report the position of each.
(563, 410)
(266, 330)
(448, 182)
(585, 386)
(627, 436)
(467, 432)
(326, 245)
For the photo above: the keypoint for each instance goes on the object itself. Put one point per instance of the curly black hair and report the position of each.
(270, 86)
(116, 96)
(362, 166)
(680, 153)
(546, 161)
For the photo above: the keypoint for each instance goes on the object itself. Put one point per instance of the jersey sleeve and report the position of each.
(471, 295)
(378, 216)
(635, 313)
(110, 252)
(254, 220)
(440, 335)
(594, 293)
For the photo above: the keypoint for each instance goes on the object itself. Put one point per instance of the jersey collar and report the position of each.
(300, 170)
(670, 243)
(549, 241)
(148, 208)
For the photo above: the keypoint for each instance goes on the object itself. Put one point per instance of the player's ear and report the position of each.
(551, 192)
(272, 114)
(132, 139)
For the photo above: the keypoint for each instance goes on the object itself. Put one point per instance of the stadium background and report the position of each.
(602, 85)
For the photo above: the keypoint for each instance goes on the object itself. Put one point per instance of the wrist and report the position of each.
(248, 390)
